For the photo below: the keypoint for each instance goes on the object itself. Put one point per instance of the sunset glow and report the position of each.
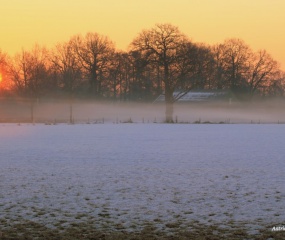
(259, 23)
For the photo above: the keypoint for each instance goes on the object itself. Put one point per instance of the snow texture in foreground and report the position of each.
(131, 173)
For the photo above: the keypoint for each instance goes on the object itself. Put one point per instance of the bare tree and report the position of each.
(143, 76)
(241, 70)
(130, 76)
(159, 59)
(276, 88)
(30, 72)
(160, 44)
(5, 81)
(263, 69)
(94, 53)
(195, 67)
(3, 59)
(232, 58)
(66, 67)
(20, 70)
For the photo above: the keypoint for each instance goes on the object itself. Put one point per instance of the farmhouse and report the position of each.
(198, 96)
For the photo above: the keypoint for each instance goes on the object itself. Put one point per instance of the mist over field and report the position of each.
(83, 111)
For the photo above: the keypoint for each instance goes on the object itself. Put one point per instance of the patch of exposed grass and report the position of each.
(28, 230)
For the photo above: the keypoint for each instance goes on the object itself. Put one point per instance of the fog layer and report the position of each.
(107, 112)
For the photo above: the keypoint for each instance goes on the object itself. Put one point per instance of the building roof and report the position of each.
(197, 96)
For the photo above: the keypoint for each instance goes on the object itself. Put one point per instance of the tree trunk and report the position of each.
(32, 111)
(94, 82)
(169, 112)
(169, 105)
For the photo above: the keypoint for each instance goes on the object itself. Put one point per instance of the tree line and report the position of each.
(160, 59)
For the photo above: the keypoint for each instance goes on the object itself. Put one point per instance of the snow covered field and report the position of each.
(124, 175)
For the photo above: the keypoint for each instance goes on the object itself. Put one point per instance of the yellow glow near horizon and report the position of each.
(259, 23)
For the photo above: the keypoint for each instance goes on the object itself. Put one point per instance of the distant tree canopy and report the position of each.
(159, 59)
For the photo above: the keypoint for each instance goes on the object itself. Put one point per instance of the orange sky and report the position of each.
(260, 23)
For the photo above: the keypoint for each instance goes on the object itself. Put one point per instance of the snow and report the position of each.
(132, 173)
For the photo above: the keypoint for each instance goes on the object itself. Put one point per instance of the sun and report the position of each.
(0, 77)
